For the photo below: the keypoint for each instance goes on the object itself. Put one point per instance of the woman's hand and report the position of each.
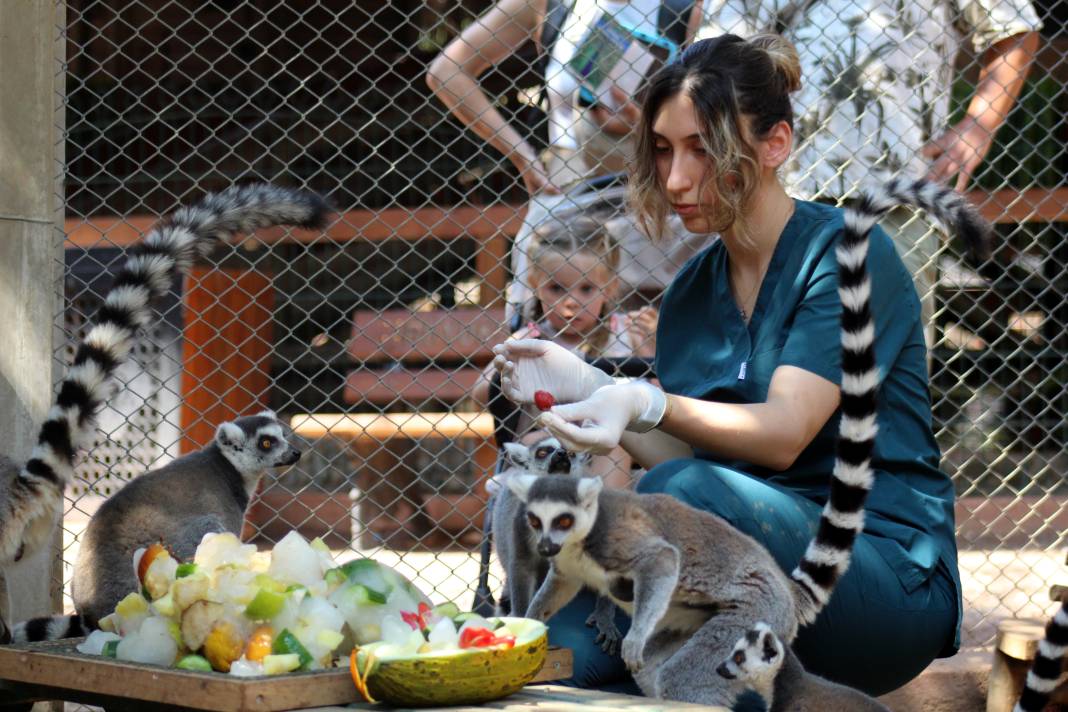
(620, 121)
(597, 423)
(529, 365)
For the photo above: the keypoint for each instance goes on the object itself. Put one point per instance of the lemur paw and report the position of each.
(608, 635)
(632, 653)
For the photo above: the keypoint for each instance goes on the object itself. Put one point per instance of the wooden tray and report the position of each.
(56, 671)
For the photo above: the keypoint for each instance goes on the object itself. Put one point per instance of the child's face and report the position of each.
(573, 292)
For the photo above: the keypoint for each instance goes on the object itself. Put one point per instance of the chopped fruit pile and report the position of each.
(236, 610)
(544, 400)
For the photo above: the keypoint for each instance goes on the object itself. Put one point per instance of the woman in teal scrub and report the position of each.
(748, 359)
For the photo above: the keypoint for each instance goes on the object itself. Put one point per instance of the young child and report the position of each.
(573, 274)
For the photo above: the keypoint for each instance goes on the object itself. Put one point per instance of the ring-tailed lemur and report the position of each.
(31, 494)
(760, 662)
(515, 545)
(1045, 672)
(692, 583)
(176, 505)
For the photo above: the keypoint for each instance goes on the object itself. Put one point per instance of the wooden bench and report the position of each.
(411, 357)
(1014, 652)
(451, 515)
(414, 365)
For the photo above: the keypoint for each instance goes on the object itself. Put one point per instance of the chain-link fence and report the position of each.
(372, 337)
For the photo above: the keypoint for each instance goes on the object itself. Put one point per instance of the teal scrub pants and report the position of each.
(874, 635)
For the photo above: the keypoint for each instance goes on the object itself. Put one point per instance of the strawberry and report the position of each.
(544, 400)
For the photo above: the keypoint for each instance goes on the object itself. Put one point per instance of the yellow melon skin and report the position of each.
(463, 678)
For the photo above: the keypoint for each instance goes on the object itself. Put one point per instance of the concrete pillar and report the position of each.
(31, 256)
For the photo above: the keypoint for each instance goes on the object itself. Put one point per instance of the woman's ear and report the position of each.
(776, 145)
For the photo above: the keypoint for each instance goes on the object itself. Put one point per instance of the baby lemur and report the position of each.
(516, 547)
(692, 583)
(31, 495)
(763, 664)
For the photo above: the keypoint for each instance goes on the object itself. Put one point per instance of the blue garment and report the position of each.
(904, 581)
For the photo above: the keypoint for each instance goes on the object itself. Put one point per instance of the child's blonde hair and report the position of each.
(567, 237)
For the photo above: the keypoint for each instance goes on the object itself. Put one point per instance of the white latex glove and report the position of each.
(601, 419)
(529, 365)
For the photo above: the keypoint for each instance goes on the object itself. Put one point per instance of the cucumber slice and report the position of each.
(364, 595)
(197, 663)
(185, 570)
(110, 648)
(287, 644)
(265, 605)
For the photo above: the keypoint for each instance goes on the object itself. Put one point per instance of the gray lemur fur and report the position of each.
(691, 582)
(515, 544)
(176, 505)
(760, 661)
(31, 492)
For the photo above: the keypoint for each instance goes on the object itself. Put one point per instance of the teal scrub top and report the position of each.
(705, 350)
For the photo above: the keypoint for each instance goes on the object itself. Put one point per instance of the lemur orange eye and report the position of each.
(266, 443)
(739, 658)
(565, 522)
(534, 522)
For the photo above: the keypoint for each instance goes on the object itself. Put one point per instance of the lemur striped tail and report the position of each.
(49, 628)
(35, 495)
(1049, 663)
(828, 555)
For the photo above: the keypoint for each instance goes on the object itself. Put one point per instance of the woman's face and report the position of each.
(681, 161)
(572, 292)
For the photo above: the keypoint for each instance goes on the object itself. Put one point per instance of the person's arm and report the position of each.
(961, 148)
(453, 77)
(654, 447)
(770, 434)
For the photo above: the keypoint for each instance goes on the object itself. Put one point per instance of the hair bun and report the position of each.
(783, 56)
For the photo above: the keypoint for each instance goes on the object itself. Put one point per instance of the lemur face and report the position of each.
(546, 457)
(256, 443)
(756, 657)
(560, 510)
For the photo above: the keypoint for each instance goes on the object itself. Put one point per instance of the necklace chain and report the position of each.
(760, 279)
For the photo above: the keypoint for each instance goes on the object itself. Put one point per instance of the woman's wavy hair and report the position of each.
(727, 78)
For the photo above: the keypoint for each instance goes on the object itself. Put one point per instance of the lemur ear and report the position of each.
(267, 414)
(588, 489)
(520, 485)
(517, 455)
(229, 435)
(772, 649)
